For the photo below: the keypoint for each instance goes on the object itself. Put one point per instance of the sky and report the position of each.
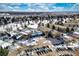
(39, 7)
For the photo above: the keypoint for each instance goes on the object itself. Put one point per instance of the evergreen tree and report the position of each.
(72, 29)
(3, 51)
(25, 25)
(67, 30)
(39, 24)
(48, 25)
(53, 27)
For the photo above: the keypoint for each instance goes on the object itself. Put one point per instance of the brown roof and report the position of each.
(44, 29)
(76, 52)
(75, 36)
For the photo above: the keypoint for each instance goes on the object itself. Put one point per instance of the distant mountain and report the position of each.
(39, 13)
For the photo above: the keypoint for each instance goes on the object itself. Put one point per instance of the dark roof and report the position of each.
(57, 41)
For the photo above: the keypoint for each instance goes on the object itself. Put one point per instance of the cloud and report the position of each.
(37, 7)
(9, 7)
(45, 7)
(33, 7)
(75, 7)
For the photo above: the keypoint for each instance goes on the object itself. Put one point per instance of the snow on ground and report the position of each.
(35, 26)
